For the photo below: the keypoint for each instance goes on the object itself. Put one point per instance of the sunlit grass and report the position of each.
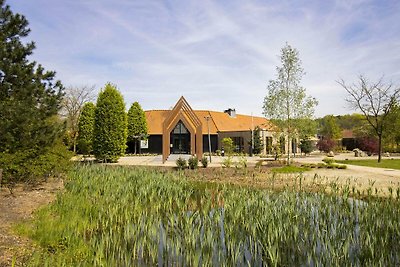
(385, 163)
(290, 169)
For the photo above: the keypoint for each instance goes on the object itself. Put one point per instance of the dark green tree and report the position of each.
(306, 146)
(30, 99)
(110, 125)
(137, 124)
(85, 129)
(258, 144)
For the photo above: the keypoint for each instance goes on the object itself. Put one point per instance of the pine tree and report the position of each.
(29, 101)
(85, 129)
(110, 125)
(137, 124)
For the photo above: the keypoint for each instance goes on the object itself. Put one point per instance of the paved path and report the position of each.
(360, 176)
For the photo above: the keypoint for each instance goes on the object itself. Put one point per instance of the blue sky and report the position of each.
(218, 54)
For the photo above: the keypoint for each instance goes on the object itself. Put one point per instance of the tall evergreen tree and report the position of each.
(110, 125)
(85, 128)
(257, 139)
(29, 98)
(137, 124)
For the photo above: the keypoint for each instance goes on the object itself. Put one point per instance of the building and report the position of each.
(183, 130)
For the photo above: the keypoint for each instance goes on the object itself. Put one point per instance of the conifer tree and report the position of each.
(137, 124)
(85, 129)
(30, 99)
(110, 125)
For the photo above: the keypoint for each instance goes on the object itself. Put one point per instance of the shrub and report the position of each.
(242, 162)
(306, 146)
(326, 145)
(328, 160)
(227, 162)
(368, 144)
(342, 166)
(204, 162)
(181, 163)
(29, 166)
(110, 126)
(193, 163)
(228, 146)
(85, 129)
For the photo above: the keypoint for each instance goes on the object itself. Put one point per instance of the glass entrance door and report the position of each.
(180, 139)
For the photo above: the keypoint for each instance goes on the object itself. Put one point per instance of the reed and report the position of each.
(119, 216)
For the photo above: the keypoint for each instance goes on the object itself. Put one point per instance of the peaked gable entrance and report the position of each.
(182, 113)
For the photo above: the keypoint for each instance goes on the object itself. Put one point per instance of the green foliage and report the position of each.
(86, 127)
(290, 169)
(193, 162)
(110, 126)
(119, 216)
(385, 163)
(227, 144)
(31, 166)
(30, 99)
(328, 160)
(306, 146)
(286, 103)
(137, 125)
(391, 139)
(204, 162)
(181, 163)
(258, 143)
(350, 121)
(227, 162)
(329, 127)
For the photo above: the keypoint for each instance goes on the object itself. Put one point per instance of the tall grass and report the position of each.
(116, 216)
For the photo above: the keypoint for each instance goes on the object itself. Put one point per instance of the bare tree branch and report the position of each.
(374, 100)
(74, 99)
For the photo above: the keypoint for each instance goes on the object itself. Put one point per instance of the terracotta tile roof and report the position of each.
(347, 134)
(220, 121)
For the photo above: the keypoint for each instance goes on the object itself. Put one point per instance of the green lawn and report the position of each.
(385, 163)
(290, 169)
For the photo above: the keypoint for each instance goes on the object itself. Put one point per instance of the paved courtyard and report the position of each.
(362, 177)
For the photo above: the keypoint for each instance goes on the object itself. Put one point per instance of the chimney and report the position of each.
(231, 112)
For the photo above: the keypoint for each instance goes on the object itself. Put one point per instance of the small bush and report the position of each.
(242, 163)
(330, 166)
(328, 160)
(341, 166)
(227, 162)
(193, 163)
(181, 163)
(204, 162)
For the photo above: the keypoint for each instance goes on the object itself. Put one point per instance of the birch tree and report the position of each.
(286, 102)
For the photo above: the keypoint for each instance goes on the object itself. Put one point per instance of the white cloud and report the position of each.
(217, 54)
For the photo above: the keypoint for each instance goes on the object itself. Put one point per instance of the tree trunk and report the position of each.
(1, 176)
(379, 147)
(135, 145)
